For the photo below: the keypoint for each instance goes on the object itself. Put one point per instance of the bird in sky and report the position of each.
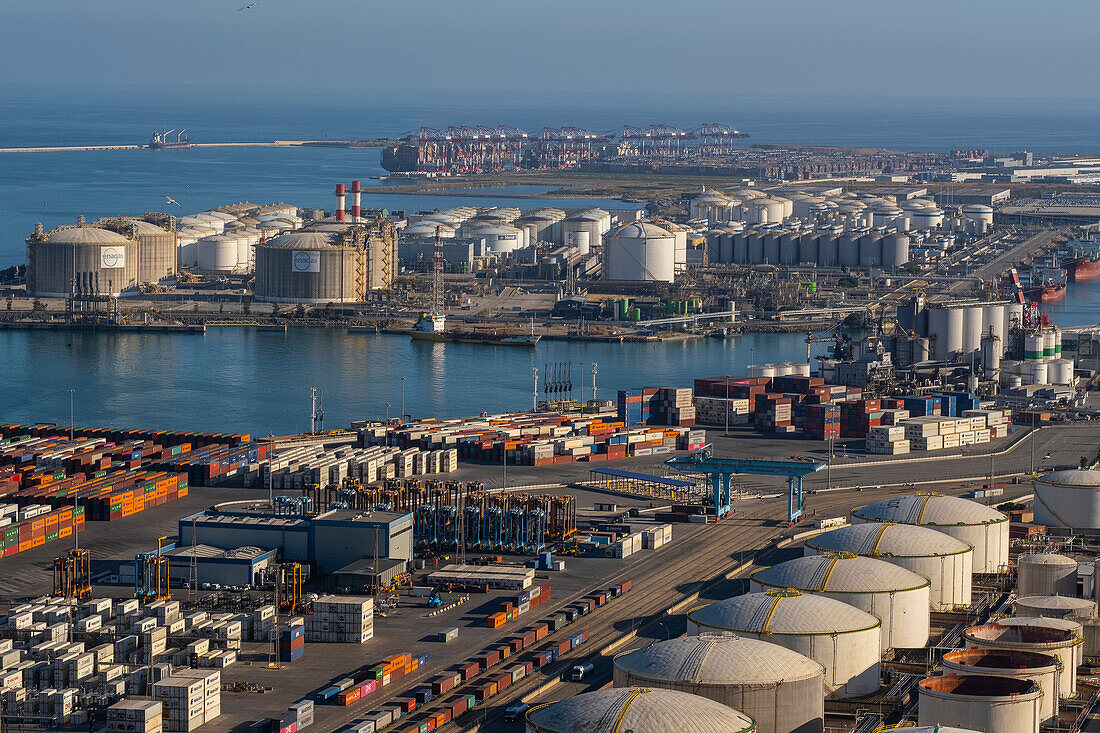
(246, 7)
(169, 200)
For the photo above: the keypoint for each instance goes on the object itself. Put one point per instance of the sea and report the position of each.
(259, 382)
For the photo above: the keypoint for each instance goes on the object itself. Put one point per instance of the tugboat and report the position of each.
(160, 140)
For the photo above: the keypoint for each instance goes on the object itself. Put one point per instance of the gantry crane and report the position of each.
(721, 470)
(151, 575)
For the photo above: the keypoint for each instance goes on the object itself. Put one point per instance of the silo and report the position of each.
(636, 709)
(89, 259)
(782, 690)
(1033, 347)
(1060, 371)
(1048, 344)
(991, 355)
(1000, 704)
(808, 252)
(993, 317)
(586, 221)
(640, 251)
(972, 330)
(1037, 372)
(870, 249)
(922, 349)
(1063, 644)
(788, 248)
(828, 249)
(945, 326)
(723, 247)
(895, 250)
(156, 250)
(898, 597)
(771, 246)
(1042, 669)
(1046, 574)
(217, 253)
(944, 560)
(1067, 607)
(848, 250)
(306, 267)
(983, 528)
(741, 248)
(842, 638)
(1068, 498)
(755, 240)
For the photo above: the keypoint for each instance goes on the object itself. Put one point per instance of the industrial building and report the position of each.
(331, 540)
(112, 258)
(983, 528)
(782, 690)
(199, 566)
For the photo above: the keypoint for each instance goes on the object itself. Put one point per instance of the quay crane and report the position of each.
(721, 471)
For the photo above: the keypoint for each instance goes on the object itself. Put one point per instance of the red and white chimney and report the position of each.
(339, 202)
(355, 194)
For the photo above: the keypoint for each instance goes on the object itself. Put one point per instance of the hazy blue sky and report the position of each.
(957, 48)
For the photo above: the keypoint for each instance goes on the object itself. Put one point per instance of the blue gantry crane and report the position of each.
(721, 470)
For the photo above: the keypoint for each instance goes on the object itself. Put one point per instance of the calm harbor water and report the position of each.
(244, 380)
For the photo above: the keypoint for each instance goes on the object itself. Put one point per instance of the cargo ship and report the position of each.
(1083, 269)
(161, 141)
(1047, 283)
(432, 327)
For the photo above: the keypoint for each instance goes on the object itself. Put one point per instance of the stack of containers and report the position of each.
(657, 537)
(632, 407)
(857, 417)
(626, 547)
(341, 619)
(691, 440)
(191, 698)
(821, 421)
(923, 433)
(924, 405)
(135, 716)
(263, 622)
(887, 440)
(717, 410)
(674, 407)
(292, 641)
(773, 413)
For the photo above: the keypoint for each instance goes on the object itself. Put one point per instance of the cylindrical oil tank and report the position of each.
(983, 528)
(762, 370)
(828, 250)
(1068, 499)
(542, 225)
(801, 369)
(884, 214)
(842, 638)
(1060, 371)
(870, 250)
(1090, 629)
(1037, 372)
(1052, 624)
(784, 369)
(1063, 644)
(741, 248)
(979, 212)
(898, 597)
(756, 247)
(935, 728)
(781, 689)
(972, 330)
(1042, 669)
(808, 252)
(156, 250)
(848, 250)
(771, 247)
(306, 267)
(725, 248)
(1046, 574)
(1067, 607)
(945, 326)
(580, 240)
(776, 210)
(500, 238)
(636, 709)
(895, 250)
(927, 218)
(1000, 704)
(944, 560)
(1033, 346)
(89, 259)
(640, 251)
(788, 248)
(218, 253)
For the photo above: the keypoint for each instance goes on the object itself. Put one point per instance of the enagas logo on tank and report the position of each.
(305, 261)
(112, 257)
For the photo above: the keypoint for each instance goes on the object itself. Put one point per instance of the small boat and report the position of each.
(432, 327)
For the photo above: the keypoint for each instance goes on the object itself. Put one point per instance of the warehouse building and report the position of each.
(330, 540)
(239, 566)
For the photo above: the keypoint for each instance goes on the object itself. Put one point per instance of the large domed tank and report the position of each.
(637, 709)
(842, 638)
(944, 560)
(218, 253)
(982, 527)
(898, 597)
(640, 251)
(156, 251)
(1079, 610)
(1068, 499)
(89, 259)
(306, 267)
(781, 689)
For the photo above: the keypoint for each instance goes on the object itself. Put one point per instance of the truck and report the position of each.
(580, 671)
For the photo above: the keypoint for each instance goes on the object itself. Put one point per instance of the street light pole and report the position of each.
(535, 389)
(71, 414)
(387, 412)
(752, 358)
(727, 405)
(402, 399)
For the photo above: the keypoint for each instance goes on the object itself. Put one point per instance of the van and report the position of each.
(580, 671)
(514, 712)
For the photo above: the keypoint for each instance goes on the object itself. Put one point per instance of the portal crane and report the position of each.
(721, 470)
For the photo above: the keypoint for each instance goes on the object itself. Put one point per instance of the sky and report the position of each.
(935, 48)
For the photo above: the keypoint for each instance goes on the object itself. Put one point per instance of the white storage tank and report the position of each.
(1000, 704)
(842, 638)
(217, 253)
(898, 597)
(1042, 669)
(972, 330)
(944, 560)
(945, 326)
(1060, 372)
(1064, 607)
(935, 728)
(1037, 372)
(1090, 630)
(1033, 346)
(1046, 574)
(501, 239)
(979, 212)
(1068, 499)
(580, 241)
(1061, 643)
(640, 252)
(763, 370)
(636, 709)
(927, 218)
(781, 689)
(983, 528)
(895, 250)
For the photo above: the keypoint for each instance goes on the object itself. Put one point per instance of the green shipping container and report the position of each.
(471, 701)
(375, 673)
(51, 536)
